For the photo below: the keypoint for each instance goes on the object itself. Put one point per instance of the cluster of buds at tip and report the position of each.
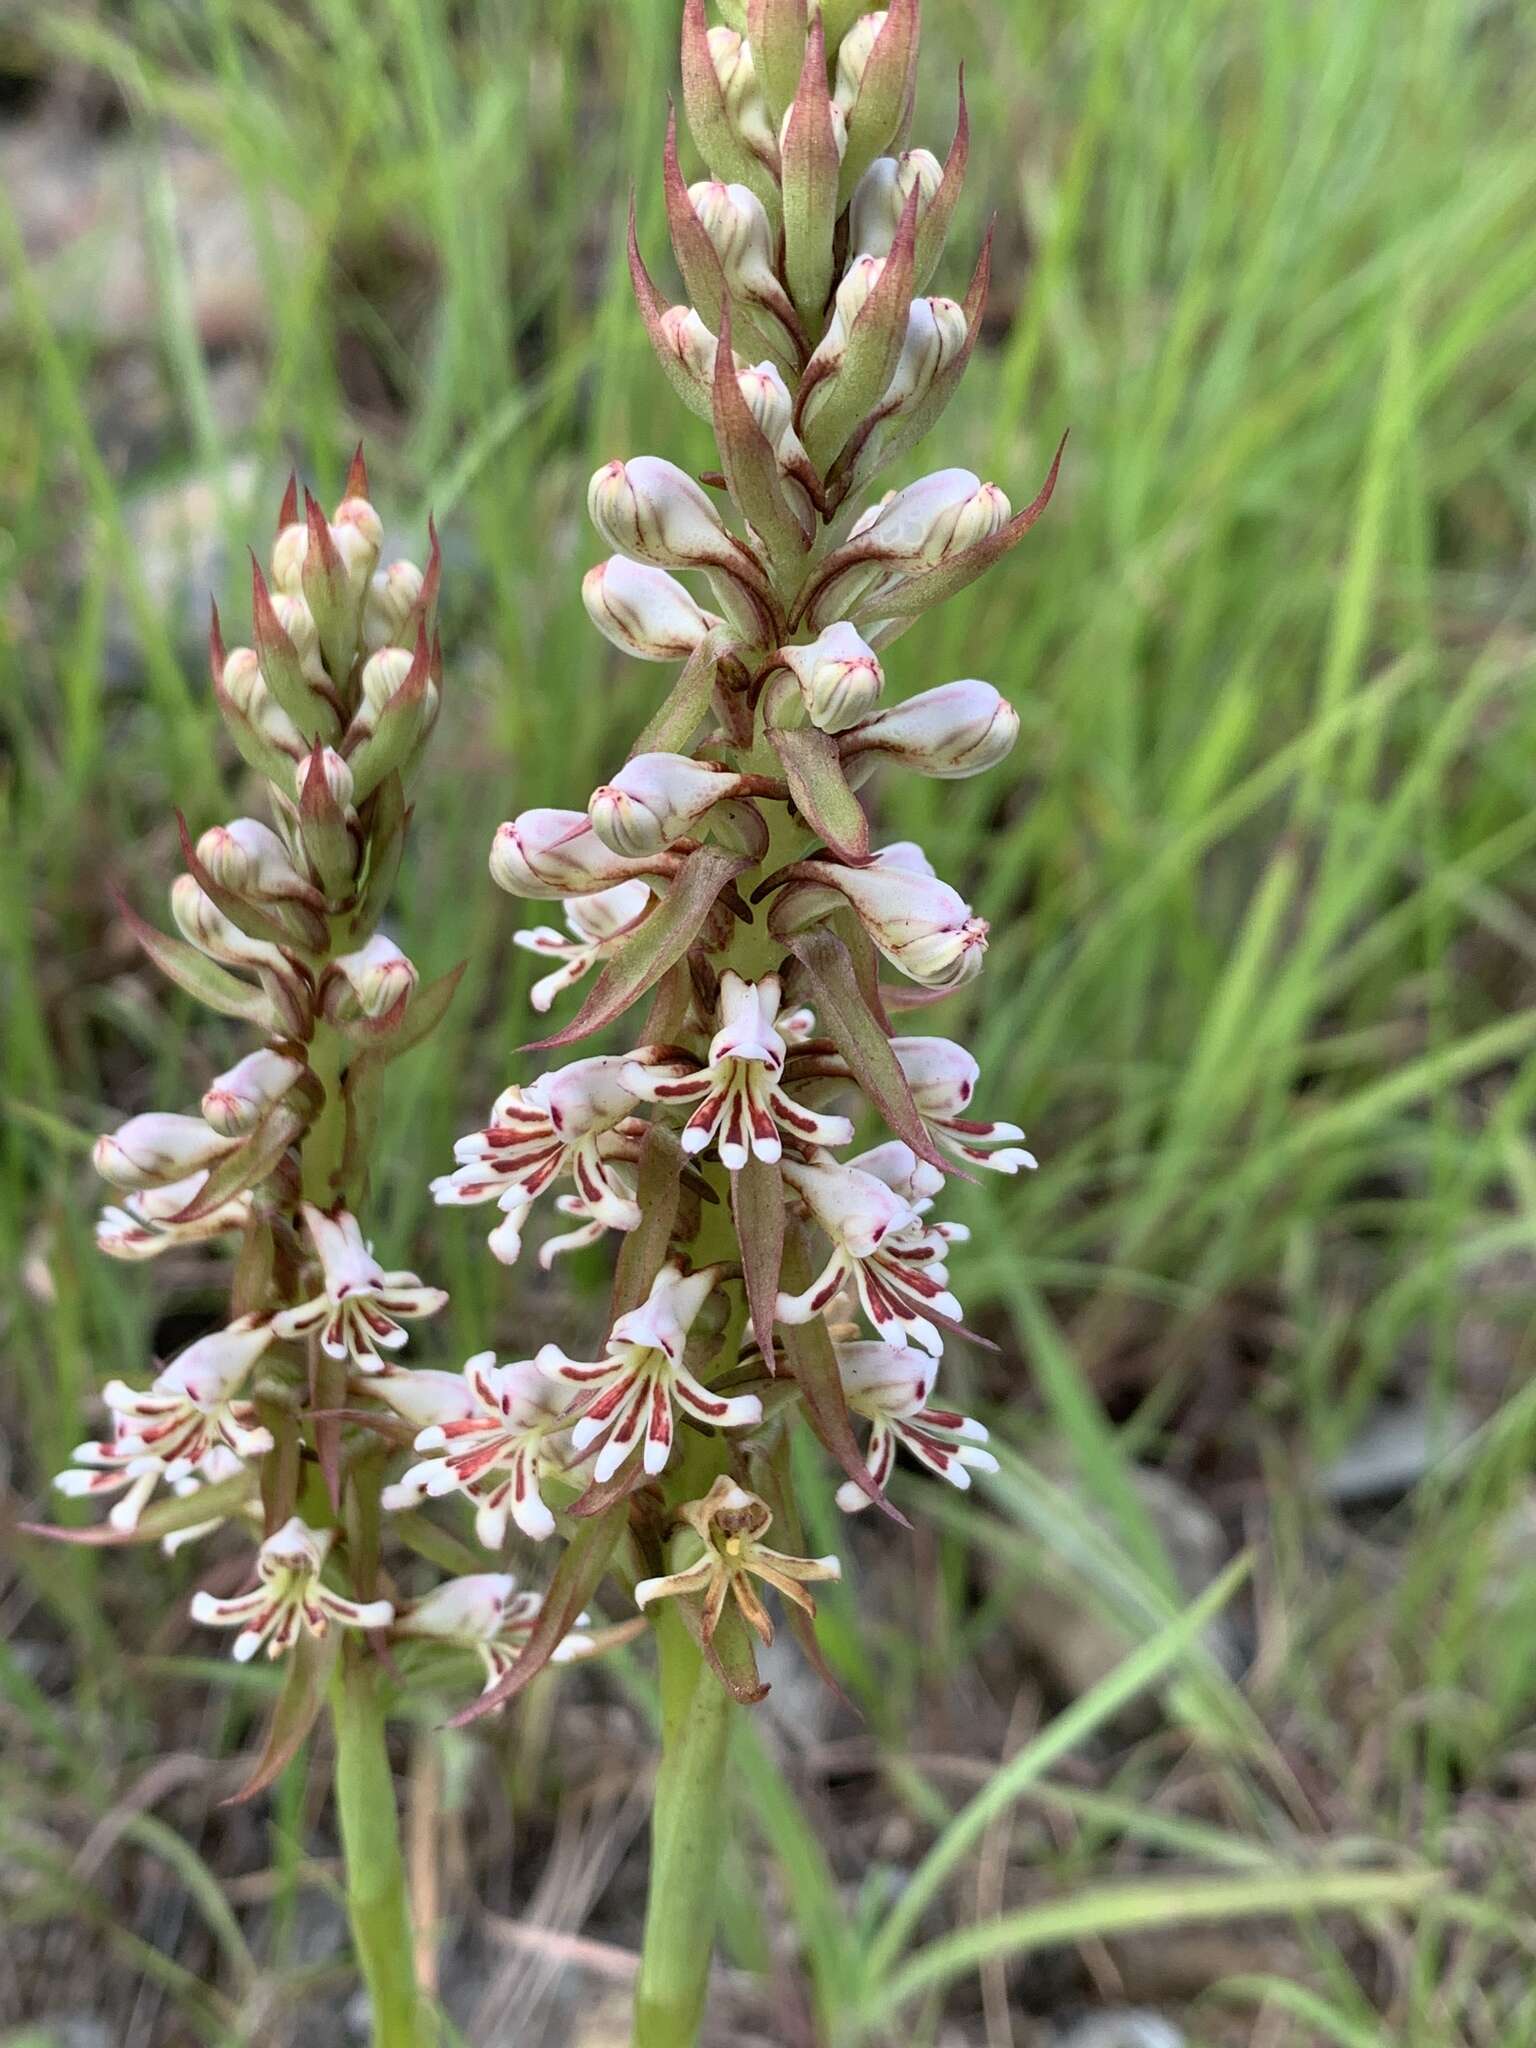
(725, 872)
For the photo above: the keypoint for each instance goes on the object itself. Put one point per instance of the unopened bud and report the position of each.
(643, 610)
(737, 225)
(393, 594)
(335, 773)
(383, 673)
(936, 517)
(245, 687)
(378, 974)
(247, 858)
(656, 799)
(745, 106)
(154, 1150)
(202, 924)
(690, 341)
(839, 122)
(655, 512)
(853, 55)
(853, 292)
(768, 401)
(288, 552)
(298, 622)
(879, 198)
(839, 677)
(358, 533)
(956, 730)
(546, 855)
(919, 923)
(935, 337)
(239, 1100)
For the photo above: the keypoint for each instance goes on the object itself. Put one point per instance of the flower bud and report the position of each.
(768, 401)
(938, 516)
(655, 799)
(247, 858)
(150, 1151)
(919, 923)
(238, 1101)
(935, 336)
(202, 924)
(839, 676)
(393, 594)
(853, 55)
(288, 552)
(690, 341)
(547, 854)
(643, 610)
(245, 687)
(853, 292)
(655, 512)
(745, 106)
(298, 622)
(383, 673)
(335, 772)
(959, 729)
(358, 533)
(839, 127)
(378, 974)
(736, 223)
(875, 211)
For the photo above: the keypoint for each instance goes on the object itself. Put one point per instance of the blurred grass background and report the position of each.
(1263, 897)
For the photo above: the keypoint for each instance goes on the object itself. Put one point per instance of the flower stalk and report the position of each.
(726, 873)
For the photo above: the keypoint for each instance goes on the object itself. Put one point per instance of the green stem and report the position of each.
(377, 1903)
(377, 1906)
(687, 1836)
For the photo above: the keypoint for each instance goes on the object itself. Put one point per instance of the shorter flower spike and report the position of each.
(485, 1612)
(890, 1387)
(633, 1389)
(597, 925)
(354, 1313)
(723, 1551)
(289, 1597)
(492, 1429)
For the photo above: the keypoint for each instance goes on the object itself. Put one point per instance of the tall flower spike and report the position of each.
(290, 1597)
(632, 1390)
(356, 1312)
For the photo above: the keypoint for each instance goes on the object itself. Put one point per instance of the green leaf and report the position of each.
(813, 1361)
(208, 1504)
(298, 1707)
(675, 725)
(582, 1564)
(197, 974)
(858, 1036)
(814, 770)
(661, 939)
(658, 1188)
(757, 1209)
